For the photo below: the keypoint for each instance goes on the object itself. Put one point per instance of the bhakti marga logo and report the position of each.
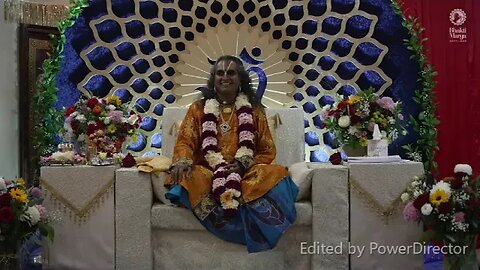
(458, 32)
(458, 17)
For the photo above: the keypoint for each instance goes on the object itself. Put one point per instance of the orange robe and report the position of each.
(260, 178)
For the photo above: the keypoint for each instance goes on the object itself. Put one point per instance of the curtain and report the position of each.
(458, 66)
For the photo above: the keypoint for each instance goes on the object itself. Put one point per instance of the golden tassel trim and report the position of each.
(80, 213)
(35, 13)
(383, 212)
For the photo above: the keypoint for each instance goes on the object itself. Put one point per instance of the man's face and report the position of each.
(227, 80)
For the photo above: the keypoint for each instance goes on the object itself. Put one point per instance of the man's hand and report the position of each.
(236, 166)
(180, 171)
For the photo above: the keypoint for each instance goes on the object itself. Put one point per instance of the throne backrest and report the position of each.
(286, 126)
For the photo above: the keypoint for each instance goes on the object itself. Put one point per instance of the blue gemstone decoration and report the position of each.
(309, 107)
(158, 110)
(292, 30)
(320, 44)
(326, 62)
(99, 85)
(299, 83)
(187, 21)
(232, 5)
(142, 105)
(293, 56)
(343, 6)
(306, 124)
(331, 25)
(135, 29)
(367, 53)
(308, 58)
(317, 121)
(311, 138)
(170, 99)
(216, 7)
(174, 32)
(141, 66)
(109, 31)
(148, 9)
(147, 47)
(168, 85)
(185, 5)
(265, 11)
(155, 77)
(279, 19)
(125, 51)
(121, 74)
(370, 78)
(159, 61)
(301, 43)
(329, 139)
(295, 13)
(157, 140)
(347, 90)
(156, 93)
(328, 82)
(170, 15)
(123, 8)
(358, 26)
(157, 30)
(312, 74)
(341, 47)
(309, 27)
(317, 7)
(312, 91)
(140, 144)
(139, 85)
(101, 58)
(298, 96)
(319, 156)
(124, 95)
(326, 100)
(346, 70)
(148, 123)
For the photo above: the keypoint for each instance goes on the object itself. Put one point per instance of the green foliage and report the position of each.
(48, 120)
(425, 123)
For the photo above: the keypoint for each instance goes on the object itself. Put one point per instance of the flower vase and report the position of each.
(465, 260)
(355, 151)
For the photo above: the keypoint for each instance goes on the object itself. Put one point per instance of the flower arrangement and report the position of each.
(449, 209)
(226, 187)
(352, 120)
(21, 215)
(105, 123)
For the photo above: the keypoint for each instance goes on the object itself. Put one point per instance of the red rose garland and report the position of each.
(226, 187)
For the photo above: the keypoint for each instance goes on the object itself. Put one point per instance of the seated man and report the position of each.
(222, 169)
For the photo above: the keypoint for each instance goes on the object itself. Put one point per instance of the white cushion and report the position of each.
(301, 174)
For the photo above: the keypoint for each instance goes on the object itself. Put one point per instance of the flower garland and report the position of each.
(226, 187)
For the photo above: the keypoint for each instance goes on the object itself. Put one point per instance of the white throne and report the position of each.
(152, 234)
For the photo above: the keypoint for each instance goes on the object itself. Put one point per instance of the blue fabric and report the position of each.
(258, 224)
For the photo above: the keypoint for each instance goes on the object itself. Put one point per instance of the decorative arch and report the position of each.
(300, 53)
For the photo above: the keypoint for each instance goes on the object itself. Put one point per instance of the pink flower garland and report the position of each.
(227, 188)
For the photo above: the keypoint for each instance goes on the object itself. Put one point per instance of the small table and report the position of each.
(376, 216)
(81, 199)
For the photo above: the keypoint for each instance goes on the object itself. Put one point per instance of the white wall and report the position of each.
(9, 96)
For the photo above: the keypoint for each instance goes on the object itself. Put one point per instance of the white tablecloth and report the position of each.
(82, 198)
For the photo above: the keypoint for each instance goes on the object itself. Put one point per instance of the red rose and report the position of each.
(91, 129)
(445, 208)
(6, 215)
(456, 183)
(74, 124)
(128, 161)
(335, 159)
(355, 119)
(69, 111)
(92, 102)
(460, 175)
(421, 200)
(5, 199)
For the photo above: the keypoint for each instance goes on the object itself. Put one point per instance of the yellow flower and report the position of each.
(134, 138)
(354, 99)
(438, 197)
(112, 128)
(114, 100)
(22, 182)
(226, 197)
(363, 142)
(102, 155)
(19, 195)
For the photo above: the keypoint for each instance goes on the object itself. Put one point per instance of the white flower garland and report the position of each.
(227, 188)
